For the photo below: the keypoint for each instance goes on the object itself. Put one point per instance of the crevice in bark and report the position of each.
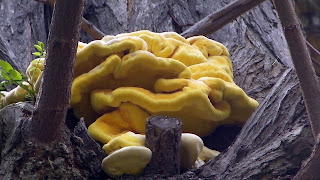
(76, 156)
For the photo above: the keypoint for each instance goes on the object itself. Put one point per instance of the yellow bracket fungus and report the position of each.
(162, 73)
(122, 80)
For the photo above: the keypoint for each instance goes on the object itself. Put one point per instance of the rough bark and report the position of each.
(78, 156)
(308, 81)
(272, 143)
(277, 138)
(21, 26)
(301, 59)
(86, 25)
(310, 169)
(163, 138)
(4, 54)
(30, 148)
(54, 95)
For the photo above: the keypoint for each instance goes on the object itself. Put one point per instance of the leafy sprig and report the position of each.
(14, 77)
(41, 50)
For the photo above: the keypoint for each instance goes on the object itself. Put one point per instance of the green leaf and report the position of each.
(41, 44)
(38, 47)
(19, 81)
(5, 66)
(15, 75)
(36, 53)
(4, 75)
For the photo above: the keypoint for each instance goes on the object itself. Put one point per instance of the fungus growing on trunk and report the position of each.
(122, 80)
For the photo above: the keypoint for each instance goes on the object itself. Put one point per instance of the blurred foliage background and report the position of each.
(309, 14)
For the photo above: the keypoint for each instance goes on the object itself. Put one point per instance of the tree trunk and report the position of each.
(54, 94)
(163, 138)
(277, 137)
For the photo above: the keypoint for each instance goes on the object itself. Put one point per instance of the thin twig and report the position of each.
(218, 19)
(301, 60)
(315, 62)
(313, 49)
(92, 30)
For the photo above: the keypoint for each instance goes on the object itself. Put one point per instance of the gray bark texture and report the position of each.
(163, 138)
(22, 25)
(271, 145)
(77, 156)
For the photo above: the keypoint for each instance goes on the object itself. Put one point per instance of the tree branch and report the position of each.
(314, 50)
(54, 95)
(163, 138)
(307, 79)
(310, 169)
(315, 62)
(301, 59)
(86, 25)
(218, 19)
(93, 31)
